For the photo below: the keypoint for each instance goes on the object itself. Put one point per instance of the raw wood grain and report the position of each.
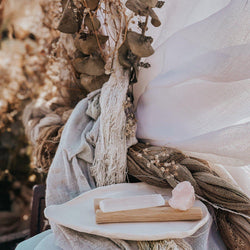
(155, 214)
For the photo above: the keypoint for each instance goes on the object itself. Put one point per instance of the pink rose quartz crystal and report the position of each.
(182, 196)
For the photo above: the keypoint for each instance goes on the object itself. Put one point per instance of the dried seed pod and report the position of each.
(92, 65)
(140, 45)
(91, 83)
(70, 21)
(149, 3)
(95, 25)
(89, 44)
(144, 8)
(92, 4)
(123, 55)
(138, 7)
(154, 18)
(141, 7)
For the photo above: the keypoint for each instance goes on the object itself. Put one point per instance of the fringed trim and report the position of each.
(174, 244)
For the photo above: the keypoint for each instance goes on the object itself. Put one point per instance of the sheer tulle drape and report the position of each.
(196, 95)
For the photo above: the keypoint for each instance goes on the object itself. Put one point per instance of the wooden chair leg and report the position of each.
(38, 223)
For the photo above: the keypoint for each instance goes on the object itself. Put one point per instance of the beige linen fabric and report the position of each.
(69, 176)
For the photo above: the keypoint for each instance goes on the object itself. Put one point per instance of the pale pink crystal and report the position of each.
(182, 196)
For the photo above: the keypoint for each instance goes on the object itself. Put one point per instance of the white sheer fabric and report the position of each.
(196, 95)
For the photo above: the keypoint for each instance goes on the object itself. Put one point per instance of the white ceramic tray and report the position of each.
(79, 214)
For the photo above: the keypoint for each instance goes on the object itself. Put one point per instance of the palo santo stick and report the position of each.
(155, 214)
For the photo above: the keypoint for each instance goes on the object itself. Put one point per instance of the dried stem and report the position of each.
(144, 28)
(95, 32)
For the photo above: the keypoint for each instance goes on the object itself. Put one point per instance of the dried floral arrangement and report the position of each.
(95, 52)
(82, 59)
(88, 52)
(157, 166)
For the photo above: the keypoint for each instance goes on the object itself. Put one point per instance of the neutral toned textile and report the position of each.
(198, 87)
(70, 176)
(34, 241)
(196, 95)
(109, 166)
(163, 166)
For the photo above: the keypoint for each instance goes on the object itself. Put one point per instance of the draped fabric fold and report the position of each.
(69, 175)
(196, 95)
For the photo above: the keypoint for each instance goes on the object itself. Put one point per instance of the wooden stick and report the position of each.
(154, 214)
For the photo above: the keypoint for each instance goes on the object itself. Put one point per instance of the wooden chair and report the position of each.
(38, 222)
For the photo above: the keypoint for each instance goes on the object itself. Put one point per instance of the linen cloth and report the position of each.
(196, 95)
(69, 176)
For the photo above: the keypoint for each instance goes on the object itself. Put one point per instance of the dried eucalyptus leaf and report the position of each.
(95, 25)
(154, 19)
(86, 81)
(123, 55)
(149, 3)
(70, 21)
(92, 4)
(138, 7)
(140, 45)
(78, 54)
(88, 44)
(91, 83)
(92, 65)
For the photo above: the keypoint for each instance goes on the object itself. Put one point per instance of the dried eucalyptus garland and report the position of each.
(104, 55)
(90, 58)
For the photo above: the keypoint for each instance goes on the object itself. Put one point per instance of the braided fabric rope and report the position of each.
(166, 167)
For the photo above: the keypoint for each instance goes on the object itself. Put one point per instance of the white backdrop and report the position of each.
(196, 95)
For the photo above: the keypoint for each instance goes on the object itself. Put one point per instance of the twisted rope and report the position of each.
(166, 167)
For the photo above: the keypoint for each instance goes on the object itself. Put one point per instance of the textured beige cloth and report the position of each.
(69, 176)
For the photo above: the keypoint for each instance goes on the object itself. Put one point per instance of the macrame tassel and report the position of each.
(176, 244)
(109, 165)
(111, 149)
